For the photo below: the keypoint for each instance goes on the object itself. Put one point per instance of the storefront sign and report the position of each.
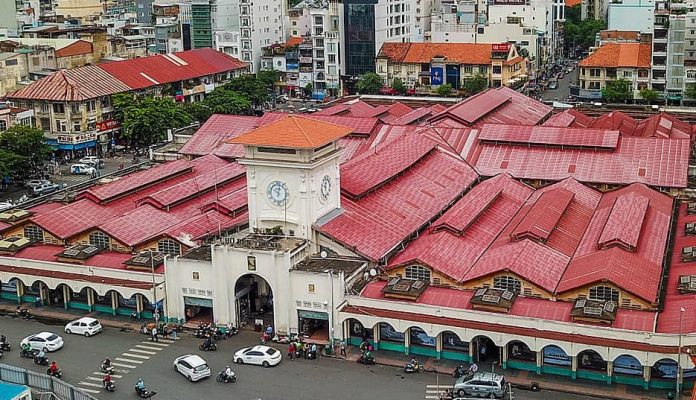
(501, 48)
(165, 10)
(107, 124)
(76, 139)
(590, 94)
(436, 75)
(313, 315)
(196, 301)
(509, 2)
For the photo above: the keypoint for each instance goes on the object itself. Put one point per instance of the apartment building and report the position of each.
(627, 61)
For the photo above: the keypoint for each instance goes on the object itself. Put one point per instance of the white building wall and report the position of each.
(632, 15)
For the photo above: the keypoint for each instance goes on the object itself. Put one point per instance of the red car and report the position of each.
(388, 91)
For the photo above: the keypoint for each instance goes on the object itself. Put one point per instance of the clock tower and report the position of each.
(293, 176)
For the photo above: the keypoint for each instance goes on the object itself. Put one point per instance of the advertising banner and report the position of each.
(436, 75)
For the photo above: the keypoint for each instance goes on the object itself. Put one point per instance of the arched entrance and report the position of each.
(484, 350)
(253, 301)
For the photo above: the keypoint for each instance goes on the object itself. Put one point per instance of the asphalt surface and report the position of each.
(134, 357)
(563, 90)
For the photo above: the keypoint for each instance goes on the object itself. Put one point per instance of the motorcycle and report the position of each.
(144, 393)
(107, 369)
(40, 360)
(410, 368)
(28, 353)
(58, 373)
(367, 360)
(211, 347)
(265, 338)
(459, 372)
(109, 386)
(5, 346)
(222, 377)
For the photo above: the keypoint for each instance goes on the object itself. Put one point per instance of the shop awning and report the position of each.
(197, 301)
(313, 315)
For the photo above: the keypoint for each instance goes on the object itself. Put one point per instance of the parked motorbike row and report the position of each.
(205, 331)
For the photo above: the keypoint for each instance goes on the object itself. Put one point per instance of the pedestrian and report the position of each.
(343, 348)
(154, 334)
(291, 351)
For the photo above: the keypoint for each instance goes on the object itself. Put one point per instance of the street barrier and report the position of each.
(42, 383)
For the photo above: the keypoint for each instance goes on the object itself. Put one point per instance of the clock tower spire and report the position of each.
(293, 175)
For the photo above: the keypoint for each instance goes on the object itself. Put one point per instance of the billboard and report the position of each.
(509, 2)
(501, 48)
(436, 75)
(165, 10)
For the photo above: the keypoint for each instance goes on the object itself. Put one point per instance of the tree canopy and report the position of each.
(617, 91)
(690, 91)
(145, 120)
(649, 95)
(578, 32)
(399, 86)
(369, 83)
(254, 89)
(474, 84)
(268, 77)
(444, 90)
(23, 150)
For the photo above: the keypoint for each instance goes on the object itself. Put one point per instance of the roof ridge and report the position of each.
(295, 120)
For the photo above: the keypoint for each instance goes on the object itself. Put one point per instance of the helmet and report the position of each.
(227, 366)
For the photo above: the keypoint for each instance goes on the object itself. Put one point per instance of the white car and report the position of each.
(83, 169)
(193, 367)
(84, 326)
(259, 355)
(45, 341)
(92, 161)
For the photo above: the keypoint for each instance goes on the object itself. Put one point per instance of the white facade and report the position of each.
(227, 42)
(261, 24)
(632, 15)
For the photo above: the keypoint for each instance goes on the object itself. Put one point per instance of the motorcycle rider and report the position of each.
(106, 380)
(26, 348)
(53, 369)
(41, 356)
(3, 339)
(472, 368)
(228, 372)
(140, 385)
(207, 343)
(414, 363)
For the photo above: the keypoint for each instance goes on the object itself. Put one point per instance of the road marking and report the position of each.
(124, 365)
(90, 384)
(156, 344)
(91, 378)
(434, 391)
(112, 375)
(90, 390)
(139, 356)
(142, 351)
(126, 360)
(140, 346)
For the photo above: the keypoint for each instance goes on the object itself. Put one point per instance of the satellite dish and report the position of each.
(324, 254)
(373, 272)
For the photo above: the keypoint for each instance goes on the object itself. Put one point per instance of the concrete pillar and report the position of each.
(20, 290)
(610, 371)
(114, 302)
(407, 340)
(90, 299)
(66, 296)
(573, 367)
(504, 356)
(345, 331)
(647, 370)
(139, 305)
(42, 294)
(438, 346)
(473, 350)
(539, 361)
(375, 336)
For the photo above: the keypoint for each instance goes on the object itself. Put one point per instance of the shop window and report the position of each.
(33, 232)
(99, 239)
(311, 288)
(451, 341)
(418, 272)
(358, 330)
(507, 282)
(604, 293)
(169, 246)
(196, 276)
(420, 338)
(388, 333)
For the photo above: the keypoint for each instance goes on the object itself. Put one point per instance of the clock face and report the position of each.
(325, 187)
(278, 193)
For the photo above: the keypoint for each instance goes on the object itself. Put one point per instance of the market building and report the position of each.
(433, 230)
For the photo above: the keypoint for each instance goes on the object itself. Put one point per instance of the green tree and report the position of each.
(474, 84)
(690, 91)
(578, 32)
(399, 86)
(444, 90)
(198, 111)
(369, 83)
(222, 101)
(617, 91)
(145, 120)
(307, 90)
(268, 77)
(12, 165)
(25, 149)
(649, 95)
(251, 87)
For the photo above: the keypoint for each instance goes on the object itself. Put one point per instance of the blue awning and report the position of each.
(69, 146)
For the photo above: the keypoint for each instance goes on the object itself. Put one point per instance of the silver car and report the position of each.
(482, 384)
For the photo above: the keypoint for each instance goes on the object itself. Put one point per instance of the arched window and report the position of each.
(33, 232)
(604, 293)
(507, 282)
(169, 246)
(99, 239)
(417, 272)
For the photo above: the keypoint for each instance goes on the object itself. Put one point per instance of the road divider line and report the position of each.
(123, 366)
(91, 378)
(140, 346)
(112, 375)
(126, 360)
(156, 344)
(90, 384)
(143, 351)
(139, 356)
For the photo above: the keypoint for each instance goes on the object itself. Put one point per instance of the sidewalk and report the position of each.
(522, 379)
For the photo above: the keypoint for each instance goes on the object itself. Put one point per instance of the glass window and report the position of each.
(604, 293)
(358, 330)
(388, 333)
(417, 272)
(3, 125)
(507, 282)
(33, 232)
(99, 239)
(169, 246)
(419, 337)
(451, 341)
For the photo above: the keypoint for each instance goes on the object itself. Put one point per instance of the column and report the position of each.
(114, 302)
(20, 290)
(647, 370)
(66, 296)
(139, 305)
(473, 350)
(504, 356)
(539, 361)
(407, 340)
(573, 367)
(610, 371)
(345, 331)
(90, 299)
(438, 346)
(375, 336)
(42, 294)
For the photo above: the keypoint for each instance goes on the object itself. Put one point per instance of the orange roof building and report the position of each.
(293, 132)
(461, 53)
(620, 55)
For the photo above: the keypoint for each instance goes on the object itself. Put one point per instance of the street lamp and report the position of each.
(679, 373)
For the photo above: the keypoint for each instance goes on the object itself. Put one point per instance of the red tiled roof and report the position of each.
(544, 215)
(656, 162)
(217, 130)
(231, 202)
(625, 221)
(75, 84)
(73, 218)
(612, 55)
(359, 125)
(378, 222)
(351, 146)
(462, 53)
(293, 132)
(140, 73)
(561, 120)
(104, 259)
(372, 168)
(469, 111)
(293, 41)
(78, 48)
(204, 225)
(143, 223)
(543, 135)
(399, 109)
(413, 116)
(393, 51)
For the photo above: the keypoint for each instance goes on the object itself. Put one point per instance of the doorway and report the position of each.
(253, 301)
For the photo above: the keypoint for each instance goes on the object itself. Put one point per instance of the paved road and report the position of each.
(563, 90)
(135, 356)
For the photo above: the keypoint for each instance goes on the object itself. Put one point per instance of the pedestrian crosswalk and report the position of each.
(435, 392)
(124, 364)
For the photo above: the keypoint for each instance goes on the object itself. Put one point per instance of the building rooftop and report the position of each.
(330, 264)
(613, 55)
(293, 132)
(462, 53)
